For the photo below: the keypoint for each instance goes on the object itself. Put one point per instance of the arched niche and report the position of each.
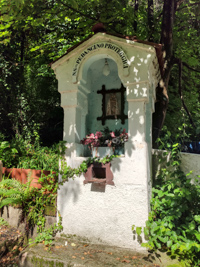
(91, 82)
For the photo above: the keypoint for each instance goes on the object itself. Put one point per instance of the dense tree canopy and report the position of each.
(33, 33)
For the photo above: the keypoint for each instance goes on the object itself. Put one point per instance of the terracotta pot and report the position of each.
(34, 176)
(3, 170)
(12, 173)
(25, 175)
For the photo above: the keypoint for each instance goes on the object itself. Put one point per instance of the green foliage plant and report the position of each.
(86, 163)
(47, 235)
(3, 222)
(174, 221)
(20, 153)
(33, 201)
(68, 172)
(13, 192)
(8, 154)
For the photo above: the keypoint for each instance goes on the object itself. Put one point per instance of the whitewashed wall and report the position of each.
(189, 162)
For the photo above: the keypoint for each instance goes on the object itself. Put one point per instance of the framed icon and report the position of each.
(112, 104)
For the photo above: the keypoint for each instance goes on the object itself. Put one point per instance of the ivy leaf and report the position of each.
(175, 247)
(139, 230)
(169, 243)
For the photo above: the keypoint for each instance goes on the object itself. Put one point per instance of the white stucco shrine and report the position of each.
(100, 211)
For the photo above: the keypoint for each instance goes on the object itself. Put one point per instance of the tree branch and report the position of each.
(193, 4)
(181, 93)
(178, 3)
(77, 11)
(190, 68)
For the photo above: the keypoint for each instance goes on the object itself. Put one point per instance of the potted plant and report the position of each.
(106, 142)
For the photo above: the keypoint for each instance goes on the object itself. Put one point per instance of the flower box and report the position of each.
(101, 152)
(106, 143)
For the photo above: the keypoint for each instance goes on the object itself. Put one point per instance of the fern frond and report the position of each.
(12, 192)
(10, 201)
(10, 183)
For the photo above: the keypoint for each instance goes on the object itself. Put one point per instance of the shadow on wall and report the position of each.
(72, 190)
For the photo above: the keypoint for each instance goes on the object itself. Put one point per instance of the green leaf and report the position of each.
(139, 230)
(9, 201)
(192, 225)
(163, 239)
(175, 247)
(197, 236)
(197, 218)
(169, 243)
(146, 231)
(14, 150)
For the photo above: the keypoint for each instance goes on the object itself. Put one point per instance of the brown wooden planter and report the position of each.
(99, 173)
(25, 175)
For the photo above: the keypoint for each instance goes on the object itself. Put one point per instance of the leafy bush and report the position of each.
(19, 153)
(174, 222)
(33, 203)
(31, 200)
(13, 192)
(8, 154)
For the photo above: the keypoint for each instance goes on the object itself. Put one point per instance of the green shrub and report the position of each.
(32, 202)
(174, 222)
(19, 153)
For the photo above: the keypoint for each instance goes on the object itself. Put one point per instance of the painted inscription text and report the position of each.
(91, 48)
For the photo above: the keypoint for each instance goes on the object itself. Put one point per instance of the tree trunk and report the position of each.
(162, 90)
(150, 20)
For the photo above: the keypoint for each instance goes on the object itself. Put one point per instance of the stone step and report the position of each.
(74, 251)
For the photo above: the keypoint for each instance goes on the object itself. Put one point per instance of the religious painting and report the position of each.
(112, 104)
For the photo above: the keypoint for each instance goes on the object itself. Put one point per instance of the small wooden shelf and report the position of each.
(97, 181)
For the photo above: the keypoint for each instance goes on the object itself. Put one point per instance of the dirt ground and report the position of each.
(11, 244)
(72, 251)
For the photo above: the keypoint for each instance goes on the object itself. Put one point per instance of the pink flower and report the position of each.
(98, 139)
(98, 135)
(91, 135)
(112, 134)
